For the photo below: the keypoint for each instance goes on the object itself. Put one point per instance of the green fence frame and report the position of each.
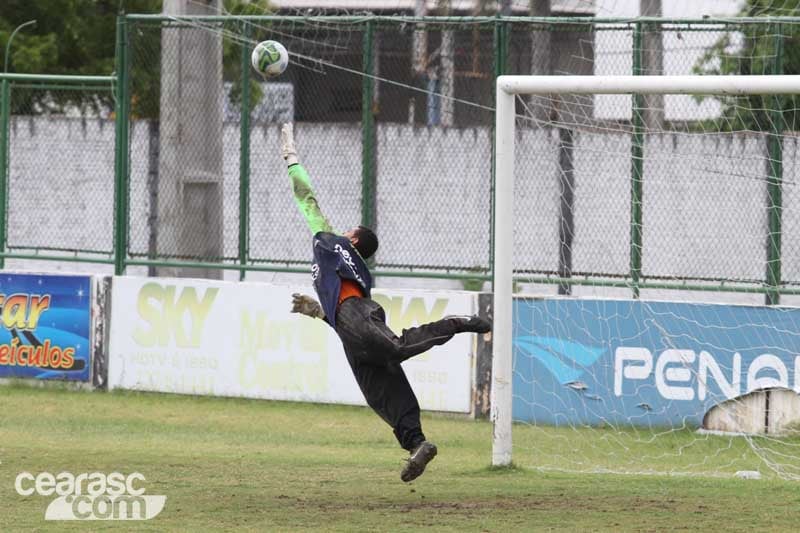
(45, 81)
(772, 287)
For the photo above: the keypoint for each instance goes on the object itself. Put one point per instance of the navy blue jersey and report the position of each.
(334, 259)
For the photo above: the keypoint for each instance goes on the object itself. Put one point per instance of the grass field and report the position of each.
(229, 465)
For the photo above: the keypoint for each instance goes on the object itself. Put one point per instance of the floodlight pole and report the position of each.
(8, 44)
(5, 117)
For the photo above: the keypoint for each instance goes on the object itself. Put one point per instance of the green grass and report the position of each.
(228, 464)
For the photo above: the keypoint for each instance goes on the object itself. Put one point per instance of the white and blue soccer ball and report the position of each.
(270, 58)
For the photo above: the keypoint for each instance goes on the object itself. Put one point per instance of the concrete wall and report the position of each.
(61, 183)
(704, 196)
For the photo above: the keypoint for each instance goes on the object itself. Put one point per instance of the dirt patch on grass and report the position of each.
(549, 503)
(421, 504)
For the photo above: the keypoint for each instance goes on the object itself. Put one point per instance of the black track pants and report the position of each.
(375, 353)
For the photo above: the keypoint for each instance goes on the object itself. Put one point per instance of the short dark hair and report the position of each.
(367, 241)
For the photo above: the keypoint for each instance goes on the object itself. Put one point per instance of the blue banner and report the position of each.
(46, 324)
(645, 363)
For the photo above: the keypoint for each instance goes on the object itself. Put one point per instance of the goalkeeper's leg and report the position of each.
(388, 392)
(364, 319)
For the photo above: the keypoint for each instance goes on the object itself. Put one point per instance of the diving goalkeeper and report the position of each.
(343, 283)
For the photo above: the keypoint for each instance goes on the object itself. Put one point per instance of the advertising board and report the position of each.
(240, 339)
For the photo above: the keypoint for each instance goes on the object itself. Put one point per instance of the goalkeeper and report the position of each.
(374, 352)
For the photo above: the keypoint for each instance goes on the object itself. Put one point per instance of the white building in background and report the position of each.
(577, 7)
(599, 8)
(670, 8)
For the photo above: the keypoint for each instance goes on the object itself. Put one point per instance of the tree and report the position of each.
(753, 50)
(78, 37)
(70, 37)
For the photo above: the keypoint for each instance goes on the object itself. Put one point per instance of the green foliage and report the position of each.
(78, 37)
(232, 50)
(758, 8)
(764, 48)
(70, 36)
(74, 37)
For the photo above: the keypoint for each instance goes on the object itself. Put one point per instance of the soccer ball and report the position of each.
(270, 58)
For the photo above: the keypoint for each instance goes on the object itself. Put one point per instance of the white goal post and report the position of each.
(508, 87)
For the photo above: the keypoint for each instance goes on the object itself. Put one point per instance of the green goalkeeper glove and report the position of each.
(306, 305)
(288, 150)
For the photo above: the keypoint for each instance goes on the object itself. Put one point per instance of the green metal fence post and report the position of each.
(121, 154)
(118, 152)
(5, 118)
(501, 42)
(244, 157)
(368, 141)
(637, 163)
(775, 182)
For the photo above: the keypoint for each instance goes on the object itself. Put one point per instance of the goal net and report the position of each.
(648, 194)
(615, 366)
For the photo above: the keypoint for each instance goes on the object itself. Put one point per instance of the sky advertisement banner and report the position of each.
(240, 339)
(46, 325)
(645, 363)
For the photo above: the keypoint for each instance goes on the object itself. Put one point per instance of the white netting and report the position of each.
(624, 385)
(705, 218)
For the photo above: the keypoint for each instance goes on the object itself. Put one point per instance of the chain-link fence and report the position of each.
(652, 190)
(394, 122)
(57, 135)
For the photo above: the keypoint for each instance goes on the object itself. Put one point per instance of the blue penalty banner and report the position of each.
(645, 363)
(46, 324)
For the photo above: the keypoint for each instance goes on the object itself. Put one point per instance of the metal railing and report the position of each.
(34, 201)
(394, 123)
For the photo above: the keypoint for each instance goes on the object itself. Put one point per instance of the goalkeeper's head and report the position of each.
(363, 240)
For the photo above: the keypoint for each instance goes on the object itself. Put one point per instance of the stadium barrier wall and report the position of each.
(646, 363)
(240, 339)
(576, 361)
(48, 326)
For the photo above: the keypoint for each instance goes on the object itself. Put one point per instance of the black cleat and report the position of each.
(420, 457)
(472, 324)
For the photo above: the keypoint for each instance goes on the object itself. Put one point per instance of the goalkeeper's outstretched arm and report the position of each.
(301, 184)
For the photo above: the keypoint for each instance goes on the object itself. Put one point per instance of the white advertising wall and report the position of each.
(240, 339)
